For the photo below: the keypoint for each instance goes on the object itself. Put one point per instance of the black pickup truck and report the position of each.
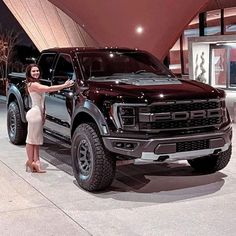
(125, 105)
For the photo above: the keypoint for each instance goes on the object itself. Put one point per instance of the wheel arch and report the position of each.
(89, 112)
(15, 95)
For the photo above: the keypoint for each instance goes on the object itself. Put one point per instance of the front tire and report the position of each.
(93, 165)
(17, 130)
(212, 163)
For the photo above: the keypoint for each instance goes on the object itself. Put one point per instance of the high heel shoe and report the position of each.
(37, 168)
(29, 167)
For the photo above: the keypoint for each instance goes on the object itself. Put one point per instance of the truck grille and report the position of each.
(180, 124)
(181, 115)
(192, 145)
(185, 106)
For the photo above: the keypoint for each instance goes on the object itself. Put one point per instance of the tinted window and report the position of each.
(97, 64)
(64, 67)
(45, 63)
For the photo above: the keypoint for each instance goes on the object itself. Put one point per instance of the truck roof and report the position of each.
(87, 49)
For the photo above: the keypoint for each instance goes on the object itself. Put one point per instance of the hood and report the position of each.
(154, 89)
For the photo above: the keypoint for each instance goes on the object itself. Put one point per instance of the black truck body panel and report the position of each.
(140, 109)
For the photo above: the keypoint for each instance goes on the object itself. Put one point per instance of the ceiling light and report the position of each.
(139, 29)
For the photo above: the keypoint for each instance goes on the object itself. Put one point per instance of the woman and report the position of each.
(36, 115)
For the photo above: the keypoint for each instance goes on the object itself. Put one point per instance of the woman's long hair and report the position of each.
(29, 78)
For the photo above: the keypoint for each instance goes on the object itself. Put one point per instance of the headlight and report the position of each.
(125, 116)
(224, 109)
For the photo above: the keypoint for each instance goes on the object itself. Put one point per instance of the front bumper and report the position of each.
(178, 147)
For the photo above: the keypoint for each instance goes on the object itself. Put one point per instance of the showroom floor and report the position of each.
(143, 199)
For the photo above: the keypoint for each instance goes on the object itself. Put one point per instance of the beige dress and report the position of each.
(35, 119)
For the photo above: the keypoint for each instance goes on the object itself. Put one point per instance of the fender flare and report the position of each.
(13, 91)
(92, 110)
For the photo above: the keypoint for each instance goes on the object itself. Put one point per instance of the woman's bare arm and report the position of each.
(37, 87)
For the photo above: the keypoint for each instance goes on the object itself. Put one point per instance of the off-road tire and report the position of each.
(93, 165)
(17, 130)
(212, 163)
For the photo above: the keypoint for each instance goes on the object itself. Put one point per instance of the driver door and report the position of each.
(59, 104)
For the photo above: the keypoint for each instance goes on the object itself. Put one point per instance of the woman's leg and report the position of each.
(36, 153)
(36, 163)
(30, 152)
(30, 155)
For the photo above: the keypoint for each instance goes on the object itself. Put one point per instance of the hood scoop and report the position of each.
(150, 81)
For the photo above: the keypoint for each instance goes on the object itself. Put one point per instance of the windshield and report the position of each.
(113, 63)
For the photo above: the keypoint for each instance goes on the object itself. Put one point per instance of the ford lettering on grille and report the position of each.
(185, 115)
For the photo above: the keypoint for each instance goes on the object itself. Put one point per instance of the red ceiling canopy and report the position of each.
(153, 25)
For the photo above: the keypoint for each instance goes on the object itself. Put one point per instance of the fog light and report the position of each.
(129, 145)
(119, 145)
(124, 145)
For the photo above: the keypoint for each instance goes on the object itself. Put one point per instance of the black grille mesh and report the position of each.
(185, 107)
(178, 124)
(192, 145)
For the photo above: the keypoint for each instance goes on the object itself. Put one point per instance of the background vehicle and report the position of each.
(125, 105)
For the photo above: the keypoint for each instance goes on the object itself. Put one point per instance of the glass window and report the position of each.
(219, 68)
(175, 63)
(188, 34)
(230, 20)
(213, 21)
(191, 31)
(232, 53)
(64, 68)
(45, 63)
(115, 63)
